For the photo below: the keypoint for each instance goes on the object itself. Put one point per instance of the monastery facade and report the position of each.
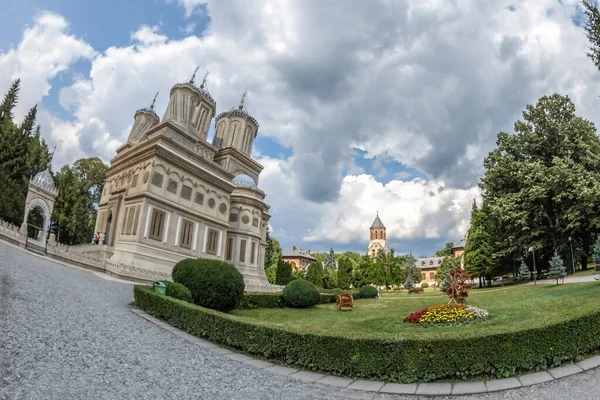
(170, 194)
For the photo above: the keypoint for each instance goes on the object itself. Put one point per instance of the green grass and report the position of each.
(511, 308)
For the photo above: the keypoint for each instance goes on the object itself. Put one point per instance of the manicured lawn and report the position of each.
(511, 308)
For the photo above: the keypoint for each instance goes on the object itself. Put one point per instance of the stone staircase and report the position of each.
(35, 247)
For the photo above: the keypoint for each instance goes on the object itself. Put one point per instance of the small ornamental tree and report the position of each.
(409, 284)
(458, 287)
(596, 254)
(283, 274)
(524, 273)
(557, 268)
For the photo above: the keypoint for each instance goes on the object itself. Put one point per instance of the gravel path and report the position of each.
(66, 333)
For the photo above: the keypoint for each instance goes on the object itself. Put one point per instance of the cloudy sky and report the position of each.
(363, 105)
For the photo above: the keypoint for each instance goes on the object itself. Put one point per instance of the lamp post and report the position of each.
(531, 249)
(572, 259)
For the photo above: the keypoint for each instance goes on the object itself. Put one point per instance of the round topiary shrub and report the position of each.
(424, 285)
(178, 291)
(300, 293)
(214, 284)
(367, 292)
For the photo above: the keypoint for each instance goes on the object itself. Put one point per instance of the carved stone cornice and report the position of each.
(178, 162)
(249, 201)
(178, 207)
(240, 157)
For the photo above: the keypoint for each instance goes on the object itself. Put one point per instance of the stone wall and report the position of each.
(97, 258)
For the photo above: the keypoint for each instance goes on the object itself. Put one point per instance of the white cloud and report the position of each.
(148, 35)
(45, 50)
(424, 83)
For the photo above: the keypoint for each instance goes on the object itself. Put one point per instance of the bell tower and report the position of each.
(378, 239)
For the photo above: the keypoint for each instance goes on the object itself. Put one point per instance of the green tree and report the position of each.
(409, 284)
(592, 30)
(10, 101)
(320, 256)
(448, 264)
(23, 153)
(344, 272)
(478, 250)
(413, 272)
(272, 252)
(314, 273)
(283, 274)
(557, 268)
(524, 273)
(445, 251)
(329, 262)
(542, 184)
(596, 253)
(80, 188)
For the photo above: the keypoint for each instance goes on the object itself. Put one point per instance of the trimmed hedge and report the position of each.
(300, 293)
(261, 300)
(368, 292)
(178, 291)
(213, 283)
(253, 300)
(388, 359)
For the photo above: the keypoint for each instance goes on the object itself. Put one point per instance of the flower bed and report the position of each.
(447, 314)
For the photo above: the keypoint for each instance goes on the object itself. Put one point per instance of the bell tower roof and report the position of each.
(377, 224)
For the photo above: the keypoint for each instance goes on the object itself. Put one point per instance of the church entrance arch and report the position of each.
(36, 222)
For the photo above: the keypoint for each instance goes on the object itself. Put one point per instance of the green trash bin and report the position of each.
(160, 287)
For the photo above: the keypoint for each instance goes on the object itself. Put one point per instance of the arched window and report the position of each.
(423, 276)
(432, 276)
(294, 266)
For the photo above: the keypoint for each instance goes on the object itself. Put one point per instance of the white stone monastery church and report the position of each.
(170, 194)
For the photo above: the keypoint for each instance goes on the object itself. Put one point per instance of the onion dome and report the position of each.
(244, 180)
(150, 108)
(240, 111)
(44, 180)
(202, 90)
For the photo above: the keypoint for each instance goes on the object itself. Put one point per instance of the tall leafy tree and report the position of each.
(273, 252)
(283, 275)
(542, 184)
(23, 153)
(314, 273)
(344, 272)
(592, 30)
(478, 250)
(80, 188)
(445, 251)
(10, 101)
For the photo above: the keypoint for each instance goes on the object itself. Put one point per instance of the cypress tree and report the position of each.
(10, 101)
(283, 274)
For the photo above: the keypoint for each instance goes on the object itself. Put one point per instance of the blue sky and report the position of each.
(396, 116)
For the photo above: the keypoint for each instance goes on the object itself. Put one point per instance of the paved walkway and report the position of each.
(66, 333)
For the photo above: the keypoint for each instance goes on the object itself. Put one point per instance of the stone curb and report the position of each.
(424, 389)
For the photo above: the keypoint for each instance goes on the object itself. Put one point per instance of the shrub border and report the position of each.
(393, 360)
